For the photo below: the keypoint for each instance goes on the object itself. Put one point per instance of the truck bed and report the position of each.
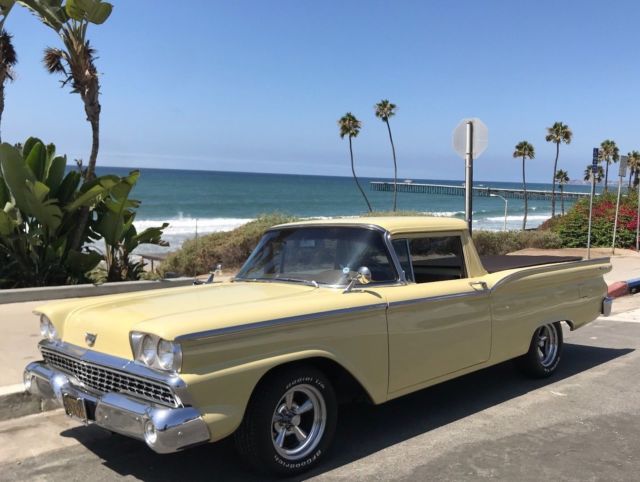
(497, 263)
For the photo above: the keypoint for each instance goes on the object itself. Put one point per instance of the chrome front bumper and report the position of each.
(607, 303)
(164, 429)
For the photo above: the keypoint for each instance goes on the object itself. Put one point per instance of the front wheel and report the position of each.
(289, 422)
(545, 349)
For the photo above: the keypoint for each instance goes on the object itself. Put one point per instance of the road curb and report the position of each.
(623, 288)
(16, 402)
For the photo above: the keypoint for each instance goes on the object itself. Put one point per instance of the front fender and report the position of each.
(222, 396)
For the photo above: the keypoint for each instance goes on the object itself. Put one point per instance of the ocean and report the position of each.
(209, 201)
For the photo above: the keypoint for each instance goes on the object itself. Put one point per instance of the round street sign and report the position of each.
(480, 137)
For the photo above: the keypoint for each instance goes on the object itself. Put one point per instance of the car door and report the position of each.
(440, 322)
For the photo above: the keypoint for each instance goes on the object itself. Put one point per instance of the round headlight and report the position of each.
(149, 350)
(47, 330)
(166, 351)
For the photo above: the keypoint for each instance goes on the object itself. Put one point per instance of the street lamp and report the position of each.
(506, 207)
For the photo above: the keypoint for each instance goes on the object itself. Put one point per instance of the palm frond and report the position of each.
(385, 109)
(53, 60)
(349, 125)
(524, 149)
(8, 56)
(558, 133)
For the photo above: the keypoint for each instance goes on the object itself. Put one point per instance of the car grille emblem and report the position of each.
(90, 338)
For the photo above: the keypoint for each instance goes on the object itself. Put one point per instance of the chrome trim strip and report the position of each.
(276, 322)
(439, 298)
(129, 367)
(546, 268)
(374, 227)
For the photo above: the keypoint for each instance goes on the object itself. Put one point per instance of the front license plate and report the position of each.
(74, 407)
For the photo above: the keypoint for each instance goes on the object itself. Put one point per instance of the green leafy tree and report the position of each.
(599, 173)
(114, 223)
(526, 151)
(41, 205)
(609, 153)
(562, 178)
(75, 61)
(385, 110)
(633, 163)
(350, 127)
(41, 202)
(557, 133)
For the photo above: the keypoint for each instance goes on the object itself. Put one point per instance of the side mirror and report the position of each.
(362, 277)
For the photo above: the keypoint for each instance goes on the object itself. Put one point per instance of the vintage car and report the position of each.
(322, 312)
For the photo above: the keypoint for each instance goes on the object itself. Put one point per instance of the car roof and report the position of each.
(393, 224)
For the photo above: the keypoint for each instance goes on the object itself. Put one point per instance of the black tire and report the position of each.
(260, 430)
(542, 359)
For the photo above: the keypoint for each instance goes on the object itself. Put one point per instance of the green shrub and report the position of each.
(229, 248)
(573, 227)
(503, 242)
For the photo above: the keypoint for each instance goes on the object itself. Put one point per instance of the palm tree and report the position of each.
(609, 152)
(633, 162)
(557, 133)
(385, 110)
(8, 59)
(562, 178)
(599, 174)
(526, 151)
(76, 63)
(350, 126)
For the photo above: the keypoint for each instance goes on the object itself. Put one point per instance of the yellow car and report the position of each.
(322, 312)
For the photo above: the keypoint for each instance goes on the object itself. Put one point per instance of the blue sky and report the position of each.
(258, 86)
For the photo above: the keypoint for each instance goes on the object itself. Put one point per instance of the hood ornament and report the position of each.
(90, 338)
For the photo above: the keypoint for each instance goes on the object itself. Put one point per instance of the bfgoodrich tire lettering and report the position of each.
(544, 353)
(289, 422)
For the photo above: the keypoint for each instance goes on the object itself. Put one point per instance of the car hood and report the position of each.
(174, 312)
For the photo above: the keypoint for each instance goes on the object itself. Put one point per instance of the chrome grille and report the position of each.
(107, 380)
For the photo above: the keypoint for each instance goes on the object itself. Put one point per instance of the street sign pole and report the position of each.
(470, 139)
(468, 195)
(594, 170)
(622, 173)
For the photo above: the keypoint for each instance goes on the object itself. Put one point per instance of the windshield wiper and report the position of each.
(298, 280)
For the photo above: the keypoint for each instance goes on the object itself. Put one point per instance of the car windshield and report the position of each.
(319, 255)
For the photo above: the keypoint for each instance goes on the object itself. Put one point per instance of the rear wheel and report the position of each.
(290, 421)
(545, 349)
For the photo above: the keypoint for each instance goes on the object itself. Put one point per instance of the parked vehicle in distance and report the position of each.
(321, 312)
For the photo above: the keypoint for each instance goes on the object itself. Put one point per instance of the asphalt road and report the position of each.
(582, 424)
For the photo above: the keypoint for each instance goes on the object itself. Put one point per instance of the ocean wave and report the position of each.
(183, 225)
(535, 217)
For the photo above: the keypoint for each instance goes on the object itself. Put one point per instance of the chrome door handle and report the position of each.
(481, 284)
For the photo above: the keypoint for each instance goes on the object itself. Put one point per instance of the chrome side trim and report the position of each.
(277, 322)
(546, 268)
(372, 226)
(439, 298)
(130, 367)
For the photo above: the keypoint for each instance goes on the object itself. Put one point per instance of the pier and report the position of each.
(480, 191)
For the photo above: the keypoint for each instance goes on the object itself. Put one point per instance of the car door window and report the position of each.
(437, 258)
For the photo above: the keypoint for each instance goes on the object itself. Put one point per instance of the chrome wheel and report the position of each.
(546, 340)
(298, 422)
